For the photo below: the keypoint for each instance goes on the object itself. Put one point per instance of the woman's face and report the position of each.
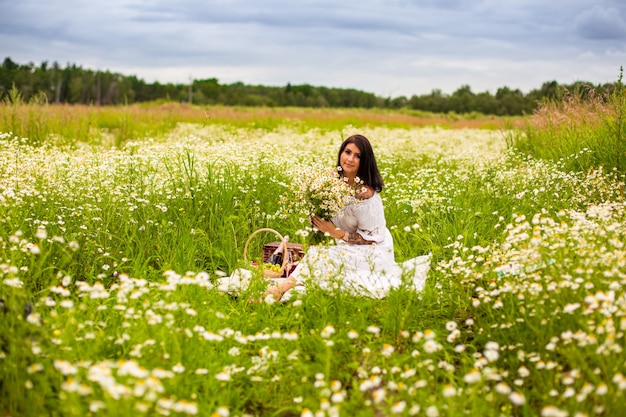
(350, 160)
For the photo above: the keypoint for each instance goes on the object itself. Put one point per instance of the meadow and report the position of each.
(112, 239)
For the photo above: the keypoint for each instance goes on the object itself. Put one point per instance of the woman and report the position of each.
(362, 262)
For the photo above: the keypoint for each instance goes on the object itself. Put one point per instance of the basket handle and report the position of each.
(282, 240)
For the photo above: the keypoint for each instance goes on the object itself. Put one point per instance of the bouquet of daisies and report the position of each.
(321, 192)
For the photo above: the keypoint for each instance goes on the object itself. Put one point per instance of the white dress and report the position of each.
(368, 270)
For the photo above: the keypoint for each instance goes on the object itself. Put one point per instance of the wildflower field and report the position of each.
(109, 257)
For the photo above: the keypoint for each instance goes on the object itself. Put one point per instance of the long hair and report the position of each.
(368, 169)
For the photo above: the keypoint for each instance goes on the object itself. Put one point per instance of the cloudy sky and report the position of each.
(387, 47)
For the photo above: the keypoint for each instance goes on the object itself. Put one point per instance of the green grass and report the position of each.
(117, 250)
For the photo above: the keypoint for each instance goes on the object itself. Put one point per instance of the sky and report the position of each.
(390, 48)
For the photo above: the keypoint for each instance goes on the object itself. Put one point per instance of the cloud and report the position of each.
(601, 23)
(388, 47)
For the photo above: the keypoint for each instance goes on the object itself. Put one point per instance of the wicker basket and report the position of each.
(296, 253)
(266, 272)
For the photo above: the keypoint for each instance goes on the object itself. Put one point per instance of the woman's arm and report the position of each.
(356, 239)
(326, 226)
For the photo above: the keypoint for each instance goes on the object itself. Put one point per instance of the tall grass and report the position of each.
(70, 125)
(587, 128)
(41, 122)
(109, 257)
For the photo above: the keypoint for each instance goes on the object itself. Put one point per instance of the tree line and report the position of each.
(73, 84)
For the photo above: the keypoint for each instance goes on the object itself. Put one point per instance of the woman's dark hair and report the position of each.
(368, 169)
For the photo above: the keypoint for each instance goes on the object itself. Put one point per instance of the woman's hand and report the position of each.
(326, 226)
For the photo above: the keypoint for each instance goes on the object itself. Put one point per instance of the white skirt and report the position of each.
(368, 270)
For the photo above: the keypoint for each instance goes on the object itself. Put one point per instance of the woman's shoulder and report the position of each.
(373, 202)
(364, 192)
